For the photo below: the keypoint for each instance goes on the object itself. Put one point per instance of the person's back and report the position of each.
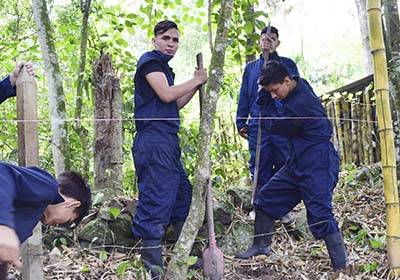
(29, 195)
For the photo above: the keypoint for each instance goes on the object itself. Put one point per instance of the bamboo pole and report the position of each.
(363, 132)
(370, 126)
(28, 155)
(386, 135)
(354, 134)
(331, 115)
(339, 132)
(347, 130)
(359, 131)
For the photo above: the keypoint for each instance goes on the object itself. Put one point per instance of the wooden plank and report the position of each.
(28, 155)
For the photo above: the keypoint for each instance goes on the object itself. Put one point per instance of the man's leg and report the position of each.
(275, 199)
(3, 271)
(182, 203)
(316, 190)
(280, 152)
(158, 175)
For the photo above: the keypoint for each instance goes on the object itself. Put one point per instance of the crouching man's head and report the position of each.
(275, 78)
(76, 194)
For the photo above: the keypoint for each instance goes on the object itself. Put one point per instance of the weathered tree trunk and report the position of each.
(80, 130)
(59, 128)
(392, 35)
(108, 157)
(386, 135)
(249, 39)
(363, 21)
(28, 155)
(177, 268)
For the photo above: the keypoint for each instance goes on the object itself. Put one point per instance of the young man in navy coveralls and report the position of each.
(274, 148)
(165, 192)
(311, 171)
(29, 195)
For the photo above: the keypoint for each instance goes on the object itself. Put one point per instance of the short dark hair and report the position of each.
(274, 72)
(164, 26)
(71, 184)
(273, 30)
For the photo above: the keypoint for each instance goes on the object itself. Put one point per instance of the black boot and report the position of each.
(177, 230)
(152, 258)
(337, 250)
(263, 231)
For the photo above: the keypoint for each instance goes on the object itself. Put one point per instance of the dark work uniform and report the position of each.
(311, 171)
(25, 193)
(165, 192)
(6, 89)
(274, 148)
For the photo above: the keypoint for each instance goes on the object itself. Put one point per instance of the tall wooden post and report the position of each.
(28, 155)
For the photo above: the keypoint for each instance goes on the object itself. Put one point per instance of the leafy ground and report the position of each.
(360, 211)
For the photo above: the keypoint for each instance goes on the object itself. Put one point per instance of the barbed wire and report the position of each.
(220, 237)
(71, 120)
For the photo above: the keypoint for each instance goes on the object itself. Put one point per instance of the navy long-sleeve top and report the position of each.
(247, 105)
(6, 89)
(25, 192)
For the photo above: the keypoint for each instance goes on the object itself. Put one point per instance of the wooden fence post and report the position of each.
(28, 155)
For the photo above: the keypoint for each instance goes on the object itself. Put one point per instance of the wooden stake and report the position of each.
(28, 155)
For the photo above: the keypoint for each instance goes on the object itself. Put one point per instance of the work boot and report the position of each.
(288, 221)
(150, 252)
(263, 231)
(177, 230)
(337, 250)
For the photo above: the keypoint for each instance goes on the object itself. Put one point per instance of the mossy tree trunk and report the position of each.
(79, 129)
(59, 127)
(177, 268)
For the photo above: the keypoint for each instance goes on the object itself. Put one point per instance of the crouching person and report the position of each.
(311, 171)
(29, 195)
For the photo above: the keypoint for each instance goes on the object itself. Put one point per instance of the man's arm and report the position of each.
(243, 109)
(185, 99)
(7, 85)
(158, 82)
(6, 89)
(9, 242)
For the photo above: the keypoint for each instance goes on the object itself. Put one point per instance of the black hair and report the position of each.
(164, 26)
(71, 184)
(274, 72)
(273, 30)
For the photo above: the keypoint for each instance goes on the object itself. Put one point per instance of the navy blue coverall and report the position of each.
(25, 193)
(165, 192)
(274, 148)
(311, 171)
(6, 89)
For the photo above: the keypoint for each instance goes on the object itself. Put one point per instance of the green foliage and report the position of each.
(377, 243)
(103, 255)
(115, 212)
(370, 267)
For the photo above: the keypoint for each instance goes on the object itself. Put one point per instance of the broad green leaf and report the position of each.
(248, 28)
(115, 212)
